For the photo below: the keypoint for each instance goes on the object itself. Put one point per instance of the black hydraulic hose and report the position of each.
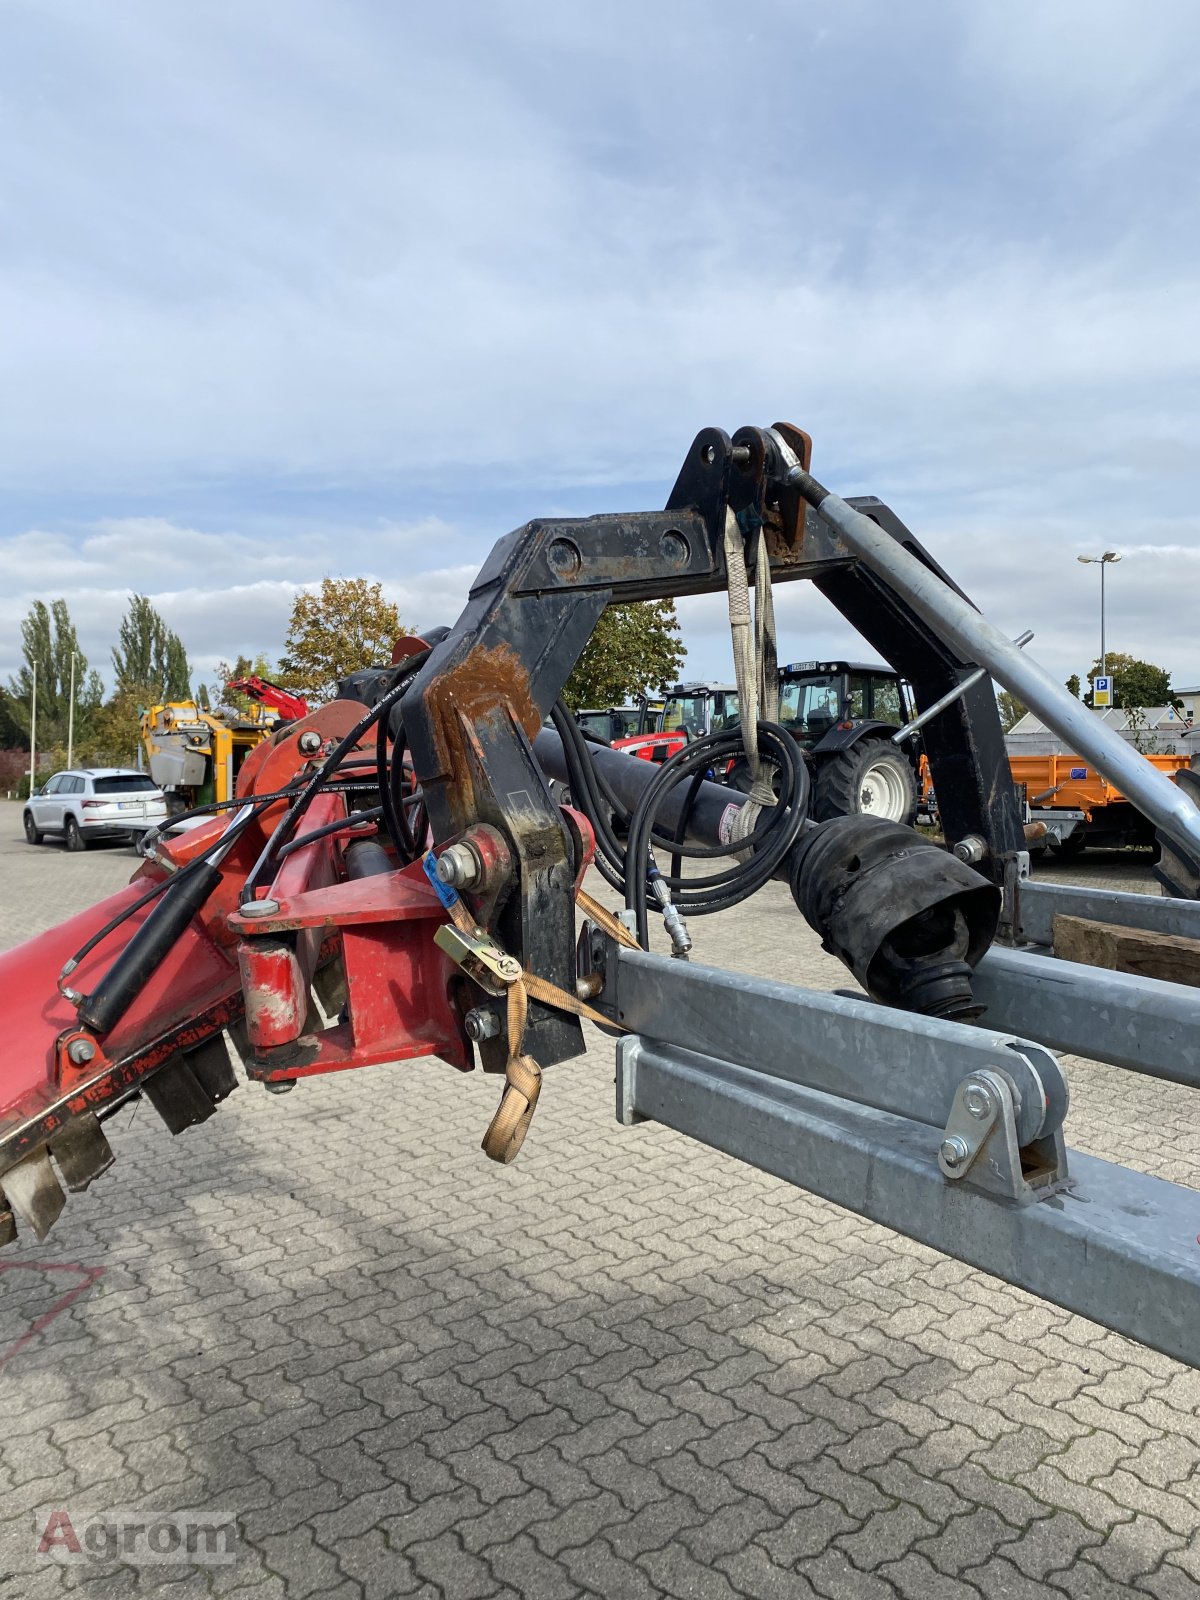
(627, 867)
(180, 898)
(390, 775)
(320, 779)
(770, 841)
(111, 926)
(339, 825)
(148, 949)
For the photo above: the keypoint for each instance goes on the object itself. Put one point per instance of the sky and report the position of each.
(297, 288)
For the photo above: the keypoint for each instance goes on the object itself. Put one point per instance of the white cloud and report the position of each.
(403, 267)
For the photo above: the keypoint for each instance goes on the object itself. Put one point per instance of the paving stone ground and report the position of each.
(625, 1366)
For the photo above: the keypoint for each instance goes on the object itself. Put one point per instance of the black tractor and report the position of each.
(844, 714)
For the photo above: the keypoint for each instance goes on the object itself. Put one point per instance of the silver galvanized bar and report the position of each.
(956, 621)
(902, 1063)
(950, 697)
(1141, 1023)
(1040, 903)
(1116, 1246)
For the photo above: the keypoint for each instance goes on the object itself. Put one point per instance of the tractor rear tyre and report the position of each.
(871, 778)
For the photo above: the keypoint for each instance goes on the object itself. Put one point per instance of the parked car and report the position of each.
(94, 803)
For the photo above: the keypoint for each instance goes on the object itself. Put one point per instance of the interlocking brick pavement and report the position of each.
(625, 1366)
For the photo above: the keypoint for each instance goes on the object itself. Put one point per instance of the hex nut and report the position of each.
(481, 1023)
(81, 1051)
(954, 1150)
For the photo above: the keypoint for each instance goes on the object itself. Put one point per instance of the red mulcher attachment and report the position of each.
(145, 1009)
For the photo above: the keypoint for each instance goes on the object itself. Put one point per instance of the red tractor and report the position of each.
(689, 712)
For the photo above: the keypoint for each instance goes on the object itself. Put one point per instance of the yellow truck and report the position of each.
(194, 755)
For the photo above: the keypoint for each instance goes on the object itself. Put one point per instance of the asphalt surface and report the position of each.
(624, 1366)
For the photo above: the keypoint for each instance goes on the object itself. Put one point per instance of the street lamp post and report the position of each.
(1101, 562)
(33, 735)
(71, 714)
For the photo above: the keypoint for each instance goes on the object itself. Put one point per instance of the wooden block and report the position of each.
(1147, 955)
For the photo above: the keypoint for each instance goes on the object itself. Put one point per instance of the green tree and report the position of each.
(1135, 682)
(1074, 685)
(49, 643)
(1010, 708)
(12, 735)
(635, 649)
(347, 624)
(150, 663)
(114, 738)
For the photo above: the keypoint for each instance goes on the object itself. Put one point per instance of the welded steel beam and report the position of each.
(1040, 903)
(1113, 1245)
(1141, 1023)
(850, 1047)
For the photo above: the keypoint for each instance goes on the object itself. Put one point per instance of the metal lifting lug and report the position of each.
(480, 957)
(981, 1142)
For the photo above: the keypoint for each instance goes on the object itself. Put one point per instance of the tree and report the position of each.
(1135, 683)
(150, 663)
(634, 650)
(346, 625)
(1010, 708)
(1074, 685)
(12, 735)
(49, 644)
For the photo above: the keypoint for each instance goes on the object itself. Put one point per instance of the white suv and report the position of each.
(95, 803)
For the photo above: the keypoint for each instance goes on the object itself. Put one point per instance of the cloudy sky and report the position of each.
(297, 287)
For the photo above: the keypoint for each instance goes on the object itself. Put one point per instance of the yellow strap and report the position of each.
(612, 925)
(522, 1076)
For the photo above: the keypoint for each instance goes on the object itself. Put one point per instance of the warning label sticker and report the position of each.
(725, 826)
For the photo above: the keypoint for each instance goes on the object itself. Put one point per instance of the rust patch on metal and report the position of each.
(487, 680)
(783, 523)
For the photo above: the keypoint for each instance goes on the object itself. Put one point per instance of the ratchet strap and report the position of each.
(522, 1075)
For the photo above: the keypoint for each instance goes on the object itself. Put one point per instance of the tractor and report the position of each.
(845, 714)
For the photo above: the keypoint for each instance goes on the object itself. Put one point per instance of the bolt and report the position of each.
(458, 866)
(309, 742)
(278, 1085)
(977, 1100)
(481, 1023)
(81, 1051)
(972, 849)
(510, 966)
(260, 908)
(954, 1150)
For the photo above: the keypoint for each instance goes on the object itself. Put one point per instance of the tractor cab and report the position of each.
(818, 698)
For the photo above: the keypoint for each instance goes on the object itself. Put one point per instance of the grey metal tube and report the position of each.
(976, 639)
